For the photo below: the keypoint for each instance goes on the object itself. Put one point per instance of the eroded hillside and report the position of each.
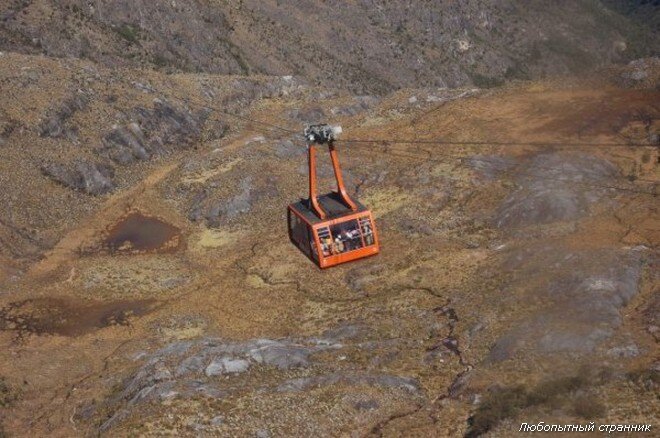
(367, 46)
(148, 285)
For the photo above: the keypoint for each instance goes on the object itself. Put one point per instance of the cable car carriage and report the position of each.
(333, 228)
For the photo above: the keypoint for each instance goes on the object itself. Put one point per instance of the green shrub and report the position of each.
(499, 404)
(588, 407)
(6, 396)
(128, 32)
(502, 403)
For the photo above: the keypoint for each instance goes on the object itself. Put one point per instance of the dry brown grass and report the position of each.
(568, 393)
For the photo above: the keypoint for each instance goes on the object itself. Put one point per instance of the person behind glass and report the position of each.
(326, 245)
(368, 235)
(346, 240)
(338, 246)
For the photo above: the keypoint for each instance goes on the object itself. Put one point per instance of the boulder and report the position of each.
(55, 125)
(154, 131)
(554, 187)
(89, 177)
(583, 293)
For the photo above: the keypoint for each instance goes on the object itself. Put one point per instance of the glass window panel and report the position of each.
(367, 230)
(346, 237)
(326, 241)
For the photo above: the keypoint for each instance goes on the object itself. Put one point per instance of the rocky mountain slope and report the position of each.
(147, 283)
(148, 286)
(368, 46)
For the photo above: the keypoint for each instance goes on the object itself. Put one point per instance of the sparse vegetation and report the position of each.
(128, 32)
(588, 407)
(501, 264)
(502, 403)
(160, 61)
(7, 396)
(646, 378)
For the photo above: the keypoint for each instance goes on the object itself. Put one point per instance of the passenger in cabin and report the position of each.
(368, 234)
(354, 235)
(338, 246)
(326, 244)
(346, 240)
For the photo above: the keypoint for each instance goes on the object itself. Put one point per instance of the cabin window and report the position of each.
(346, 237)
(326, 241)
(300, 234)
(367, 230)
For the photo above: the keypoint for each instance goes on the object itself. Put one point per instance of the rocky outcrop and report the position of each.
(584, 297)
(216, 369)
(153, 132)
(89, 177)
(553, 187)
(55, 125)
(367, 46)
(217, 209)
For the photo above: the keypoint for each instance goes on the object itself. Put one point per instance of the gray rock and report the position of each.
(281, 355)
(174, 349)
(362, 103)
(195, 388)
(344, 331)
(190, 365)
(197, 362)
(301, 384)
(627, 351)
(126, 144)
(551, 189)
(583, 294)
(308, 115)
(234, 366)
(227, 210)
(490, 167)
(55, 125)
(142, 395)
(227, 365)
(366, 405)
(217, 421)
(262, 433)
(171, 283)
(89, 177)
(153, 131)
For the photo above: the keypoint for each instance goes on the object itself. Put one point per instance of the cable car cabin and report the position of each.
(330, 229)
(344, 236)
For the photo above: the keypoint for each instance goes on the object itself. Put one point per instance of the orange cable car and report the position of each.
(330, 229)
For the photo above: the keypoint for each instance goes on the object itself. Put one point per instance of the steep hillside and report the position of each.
(148, 286)
(368, 46)
(149, 149)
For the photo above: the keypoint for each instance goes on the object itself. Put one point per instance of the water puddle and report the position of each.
(138, 233)
(66, 317)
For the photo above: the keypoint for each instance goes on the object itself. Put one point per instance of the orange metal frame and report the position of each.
(336, 259)
(341, 189)
(347, 256)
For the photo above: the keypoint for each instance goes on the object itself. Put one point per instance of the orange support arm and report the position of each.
(340, 180)
(341, 188)
(312, 182)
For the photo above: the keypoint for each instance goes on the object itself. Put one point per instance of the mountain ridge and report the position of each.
(366, 46)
